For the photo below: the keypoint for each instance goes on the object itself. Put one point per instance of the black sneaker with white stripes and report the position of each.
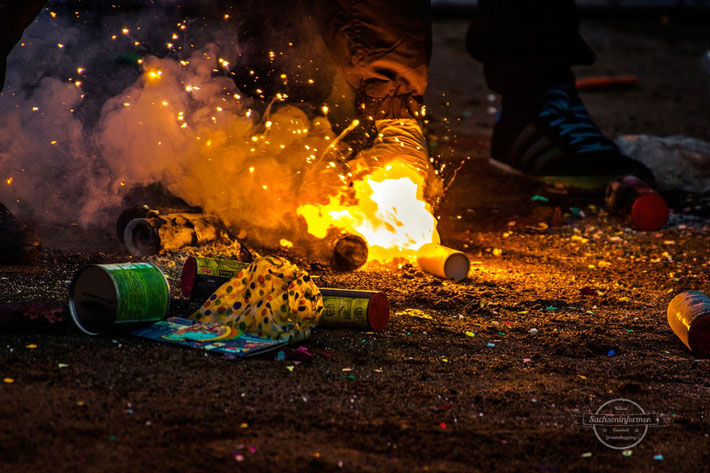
(552, 138)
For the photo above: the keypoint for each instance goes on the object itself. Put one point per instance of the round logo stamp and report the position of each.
(620, 424)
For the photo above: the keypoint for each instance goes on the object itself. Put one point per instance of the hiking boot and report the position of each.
(553, 139)
(401, 139)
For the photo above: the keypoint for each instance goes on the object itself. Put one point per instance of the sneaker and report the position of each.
(402, 139)
(553, 139)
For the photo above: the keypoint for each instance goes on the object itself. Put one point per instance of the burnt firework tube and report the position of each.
(349, 253)
(444, 262)
(689, 317)
(203, 276)
(106, 296)
(365, 310)
(632, 198)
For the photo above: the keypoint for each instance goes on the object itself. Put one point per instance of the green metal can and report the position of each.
(103, 296)
(365, 310)
(202, 276)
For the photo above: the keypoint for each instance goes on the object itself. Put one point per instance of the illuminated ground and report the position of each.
(594, 290)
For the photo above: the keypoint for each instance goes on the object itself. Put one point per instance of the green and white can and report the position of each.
(105, 296)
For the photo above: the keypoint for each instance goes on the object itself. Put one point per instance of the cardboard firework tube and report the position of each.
(203, 276)
(349, 253)
(689, 317)
(365, 310)
(150, 235)
(635, 200)
(444, 262)
(141, 211)
(106, 296)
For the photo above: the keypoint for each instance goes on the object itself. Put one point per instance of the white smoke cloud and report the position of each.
(96, 103)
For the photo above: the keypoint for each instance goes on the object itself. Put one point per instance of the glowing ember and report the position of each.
(386, 208)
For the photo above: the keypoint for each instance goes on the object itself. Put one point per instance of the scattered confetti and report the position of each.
(443, 426)
(470, 334)
(31, 346)
(347, 369)
(658, 457)
(80, 403)
(290, 368)
(8, 380)
(581, 376)
(586, 454)
(550, 307)
(527, 360)
(611, 353)
(627, 453)
(243, 425)
(350, 377)
(539, 198)
(63, 365)
(491, 345)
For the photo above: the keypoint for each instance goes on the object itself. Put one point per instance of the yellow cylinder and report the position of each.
(444, 262)
(689, 317)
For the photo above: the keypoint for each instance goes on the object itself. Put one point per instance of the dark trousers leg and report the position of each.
(383, 47)
(14, 18)
(527, 45)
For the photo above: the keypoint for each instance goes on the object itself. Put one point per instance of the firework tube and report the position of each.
(147, 236)
(203, 276)
(102, 296)
(632, 198)
(349, 253)
(605, 82)
(689, 317)
(442, 261)
(141, 211)
(365, 310)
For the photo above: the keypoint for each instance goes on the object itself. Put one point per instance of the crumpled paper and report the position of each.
(272, 298)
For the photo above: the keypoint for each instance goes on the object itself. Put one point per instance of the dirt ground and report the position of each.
(566, 317)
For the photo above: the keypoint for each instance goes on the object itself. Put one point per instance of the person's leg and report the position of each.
(383, 48)
(14, 18)
(527, 50)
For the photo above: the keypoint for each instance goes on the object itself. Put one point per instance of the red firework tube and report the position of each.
(365, 310)
(635, 200)
(689, 317)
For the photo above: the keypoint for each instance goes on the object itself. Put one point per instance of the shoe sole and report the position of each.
(580, 182)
